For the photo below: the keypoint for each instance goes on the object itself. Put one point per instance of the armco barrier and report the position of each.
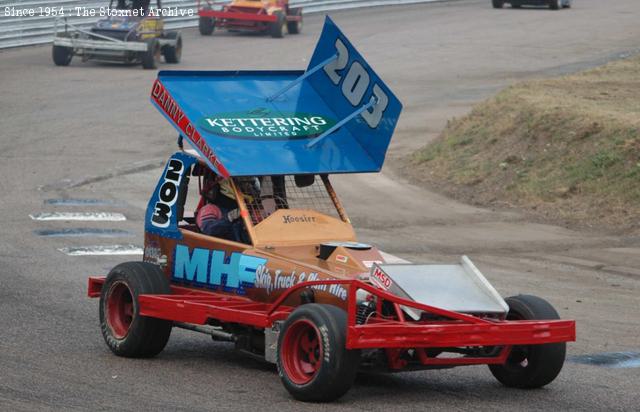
(24, 31)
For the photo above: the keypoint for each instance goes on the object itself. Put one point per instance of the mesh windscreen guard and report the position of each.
(281, 192)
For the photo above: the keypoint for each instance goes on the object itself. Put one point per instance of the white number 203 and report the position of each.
(355, 85)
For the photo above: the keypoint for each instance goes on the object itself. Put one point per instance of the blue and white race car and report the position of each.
(133, 32)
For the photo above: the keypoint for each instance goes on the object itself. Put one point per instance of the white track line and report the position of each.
(86, 216)
(105, 250)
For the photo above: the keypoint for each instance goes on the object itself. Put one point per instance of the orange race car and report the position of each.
(270, 261)
(272, 16)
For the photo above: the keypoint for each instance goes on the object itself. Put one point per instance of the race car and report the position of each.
(516, 4)
(289, 281)
(132, 34)
(270, 16)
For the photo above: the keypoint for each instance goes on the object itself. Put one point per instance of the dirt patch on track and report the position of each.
(566, 149)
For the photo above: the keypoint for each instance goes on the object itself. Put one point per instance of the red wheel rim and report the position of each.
(119, 308)
(301, 351)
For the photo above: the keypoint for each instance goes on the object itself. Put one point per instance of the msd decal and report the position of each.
(380, 279)
(215, 269)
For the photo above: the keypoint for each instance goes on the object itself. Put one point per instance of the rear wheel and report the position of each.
(313, 362)
(206, 25)
(152, 56)
(125, 332)
(530, 366)
(497, 4)
(278, 28)
(62, 55)
(173, 54)
(295, 27)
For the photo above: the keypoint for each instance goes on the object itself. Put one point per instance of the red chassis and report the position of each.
(393, 333)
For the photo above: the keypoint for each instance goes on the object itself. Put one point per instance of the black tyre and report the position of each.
(62, 55)
(497, 4)
(206, 25)
(295, 27)
(124, 330)
(278, 28)
(152, 56)
(531, 366)
(555, 4)
(567, 5)
(313, 362)
(173, 54)
(515, 5)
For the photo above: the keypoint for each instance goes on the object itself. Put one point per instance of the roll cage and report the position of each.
(275, 215)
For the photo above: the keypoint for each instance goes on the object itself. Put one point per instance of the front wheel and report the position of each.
(62, 55)
(497, 4)
(125, 332)
(151, 57)
(173, 54)
(278, 28)
(531, 366)
(295, 27)
(313, 362)
(206, 25)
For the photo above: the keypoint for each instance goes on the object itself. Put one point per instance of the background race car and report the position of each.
(270, 16)
(552, 4)
(289, 281)
(132, 34)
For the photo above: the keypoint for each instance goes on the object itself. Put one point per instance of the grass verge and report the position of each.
(567, 148)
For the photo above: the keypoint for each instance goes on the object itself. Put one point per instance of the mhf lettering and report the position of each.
(214, 268)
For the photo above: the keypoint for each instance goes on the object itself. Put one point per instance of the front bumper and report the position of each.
(237, 15)
(77, 43)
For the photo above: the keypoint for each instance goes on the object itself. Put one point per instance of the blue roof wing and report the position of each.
(348, 83)
(284, 122)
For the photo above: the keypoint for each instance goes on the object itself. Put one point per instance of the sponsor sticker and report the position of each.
(216, 269)
(262, 124)
(379, 278)
(342, 258)
(298, 219)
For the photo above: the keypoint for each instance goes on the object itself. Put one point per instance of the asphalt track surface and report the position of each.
(89, 131)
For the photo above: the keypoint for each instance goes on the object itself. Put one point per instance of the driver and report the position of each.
(218, 213)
